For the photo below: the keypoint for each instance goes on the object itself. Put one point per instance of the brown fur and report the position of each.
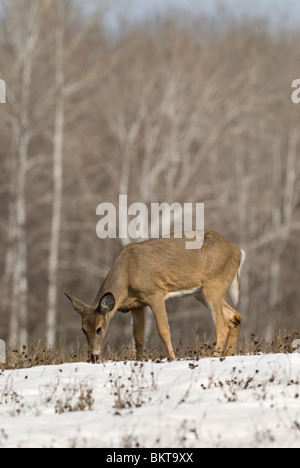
(146, 272)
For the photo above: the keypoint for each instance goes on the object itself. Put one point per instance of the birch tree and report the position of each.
(58, 144)
(283, 211)
(66, 88)
(25, 24)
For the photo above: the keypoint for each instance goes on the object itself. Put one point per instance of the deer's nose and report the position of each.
(93, 358)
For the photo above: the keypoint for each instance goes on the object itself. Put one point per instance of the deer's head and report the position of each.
(95, 320)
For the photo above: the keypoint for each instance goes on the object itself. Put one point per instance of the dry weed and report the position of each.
(38, 354)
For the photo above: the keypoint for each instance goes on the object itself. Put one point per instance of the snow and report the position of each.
(239, 401)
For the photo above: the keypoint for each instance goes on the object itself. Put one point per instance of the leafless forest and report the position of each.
(182, 109)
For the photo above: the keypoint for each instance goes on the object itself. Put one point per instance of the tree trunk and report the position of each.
(53, 262)
(19, 310)
(20, 281)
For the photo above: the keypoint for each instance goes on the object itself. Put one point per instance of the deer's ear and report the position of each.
(77, 305)
(106, 303)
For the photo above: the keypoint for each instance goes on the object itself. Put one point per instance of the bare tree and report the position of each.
(58, 143)
(25, 31)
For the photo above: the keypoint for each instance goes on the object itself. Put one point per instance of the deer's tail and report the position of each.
(234, 288)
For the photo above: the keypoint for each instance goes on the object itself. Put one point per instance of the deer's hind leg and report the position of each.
(215, 303)
(234, 321)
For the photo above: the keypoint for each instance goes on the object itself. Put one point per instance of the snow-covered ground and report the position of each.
(240, 401)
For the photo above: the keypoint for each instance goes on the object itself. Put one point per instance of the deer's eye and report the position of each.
(99, 330)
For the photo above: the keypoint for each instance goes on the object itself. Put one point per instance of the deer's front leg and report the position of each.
(138, 321)
(160, 313)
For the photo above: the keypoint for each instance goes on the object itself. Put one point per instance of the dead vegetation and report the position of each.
(70, 397)
(40, 354)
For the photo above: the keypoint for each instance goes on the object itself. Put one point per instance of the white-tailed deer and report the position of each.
(147, 273)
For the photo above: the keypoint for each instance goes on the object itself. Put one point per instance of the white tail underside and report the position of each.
(234, 288)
